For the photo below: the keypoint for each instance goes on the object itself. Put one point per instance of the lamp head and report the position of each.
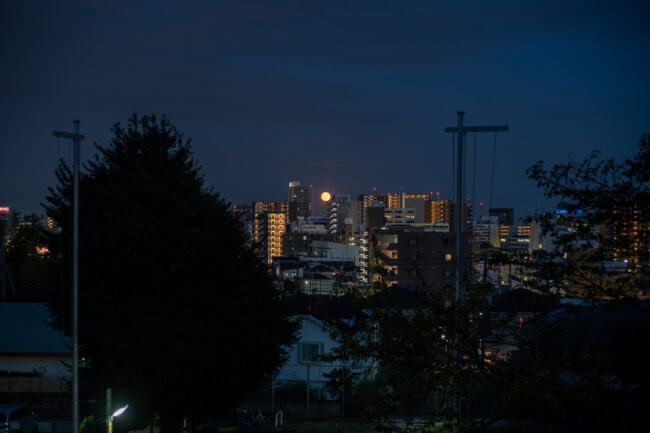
(120, 411)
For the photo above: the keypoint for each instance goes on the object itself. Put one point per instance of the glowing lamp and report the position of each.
(120, 411)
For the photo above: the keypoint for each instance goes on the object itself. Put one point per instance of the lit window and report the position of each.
(448, 257)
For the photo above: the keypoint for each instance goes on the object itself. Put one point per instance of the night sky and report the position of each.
(346, 95)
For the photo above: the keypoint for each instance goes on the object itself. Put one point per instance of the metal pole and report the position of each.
(109, 411)
(307, 398)
(460, 295)
(3, 262)
(459, 251)
(345, 377)
(75, 284)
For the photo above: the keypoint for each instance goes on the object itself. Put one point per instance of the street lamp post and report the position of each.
(76, 140)
(117, 413)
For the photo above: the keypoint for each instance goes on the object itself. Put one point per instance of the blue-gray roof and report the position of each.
(24, 329)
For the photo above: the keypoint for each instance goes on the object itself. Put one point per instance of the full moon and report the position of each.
(326, 196)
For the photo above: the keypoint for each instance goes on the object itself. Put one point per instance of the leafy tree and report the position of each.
(176, 311)
(427, 353)
(606, 217)
(340, 383)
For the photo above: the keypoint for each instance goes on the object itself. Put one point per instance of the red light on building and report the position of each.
(4, 210)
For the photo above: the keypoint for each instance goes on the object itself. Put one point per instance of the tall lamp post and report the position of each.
(76, 140)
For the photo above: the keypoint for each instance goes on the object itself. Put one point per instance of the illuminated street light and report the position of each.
(120, 411)
(117, 413)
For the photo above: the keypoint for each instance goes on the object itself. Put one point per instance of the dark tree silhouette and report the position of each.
(27, 257)
(175, 309)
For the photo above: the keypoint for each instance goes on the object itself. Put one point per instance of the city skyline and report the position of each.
(343, 96)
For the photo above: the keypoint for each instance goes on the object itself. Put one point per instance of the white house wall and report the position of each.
(48, 365)
(311, 331)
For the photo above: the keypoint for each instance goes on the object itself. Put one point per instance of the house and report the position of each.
(33, 355)
(304, 363)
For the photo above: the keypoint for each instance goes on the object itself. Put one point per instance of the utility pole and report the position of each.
(76, 140)
(462, 130)
(4, 210)
(460, 287)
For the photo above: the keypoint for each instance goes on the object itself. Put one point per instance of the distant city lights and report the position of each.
(565, 211)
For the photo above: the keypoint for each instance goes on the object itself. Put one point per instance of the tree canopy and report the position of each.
(175, 309)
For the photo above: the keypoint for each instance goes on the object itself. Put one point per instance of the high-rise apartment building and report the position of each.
(269, 225)
(302, 196)
(277, 227)
(631, 235)
(418, 201)
(344, 216)
(405, 197)
(444, 211)
(392, 201)
(414, 257)
(368, 200)
(263, 207)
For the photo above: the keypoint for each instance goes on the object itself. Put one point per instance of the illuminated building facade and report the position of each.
(405, 197)
(444, 211)
(519, 238)
(277, 227)
(368, 200)
(631, 235)
(269, 224)
(392, 201)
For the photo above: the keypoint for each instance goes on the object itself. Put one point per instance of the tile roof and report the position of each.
(25, 329)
